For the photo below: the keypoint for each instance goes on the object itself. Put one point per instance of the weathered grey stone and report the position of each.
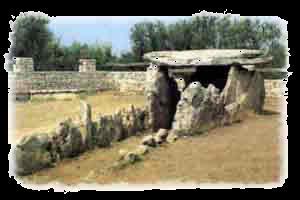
(118, 134)
(207, 57)
(68, 140)
(127, 159)
(86, 122)
(172, 137)
(128, 123)
(162, 95)
(103, 133)
(149, 141)
(198, 109)
(33, 153)
(131, 157)
(246, 88)
(161, 136)
(85, 113)
(231, 114)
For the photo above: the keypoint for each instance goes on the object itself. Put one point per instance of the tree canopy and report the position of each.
(32, 38)
(205, 32)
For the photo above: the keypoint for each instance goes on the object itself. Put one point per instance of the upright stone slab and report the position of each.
(87, 65)
(162, 96)
(86, 121)
(198, 110)
(245, 88)
(23, 65)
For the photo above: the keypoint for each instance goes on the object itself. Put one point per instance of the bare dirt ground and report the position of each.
(245, 152)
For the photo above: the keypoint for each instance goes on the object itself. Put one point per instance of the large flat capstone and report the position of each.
(207, 57)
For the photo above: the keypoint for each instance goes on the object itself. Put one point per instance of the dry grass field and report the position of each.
(245, 152)
(44, 115)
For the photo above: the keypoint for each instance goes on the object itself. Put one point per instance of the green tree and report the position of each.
(31, 37)
(203, 32)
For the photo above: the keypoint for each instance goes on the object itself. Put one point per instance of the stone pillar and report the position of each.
(162, 97)
(86, 121)
(87, 65)
(180, 83)
(245, 88)
(23, 65)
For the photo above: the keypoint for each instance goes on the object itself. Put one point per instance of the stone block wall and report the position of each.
(52, 82)
(275, 88)
(87, 65)
(23, 65)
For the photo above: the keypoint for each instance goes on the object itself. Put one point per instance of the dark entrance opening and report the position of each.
(216, 75)
(174, 96)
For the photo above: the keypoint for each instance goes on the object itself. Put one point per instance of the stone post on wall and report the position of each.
(87, 65)
(23, 65)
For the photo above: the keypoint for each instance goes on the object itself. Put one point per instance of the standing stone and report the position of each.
(86, 113)
(162, 95)
(118, 127)
(246, 88)
(104, 131)
(128, 123)
(198, 110)
(86, 121)
(68, 140)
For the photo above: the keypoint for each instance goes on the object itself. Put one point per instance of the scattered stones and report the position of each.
(161, 136)
(122, 153)
(132, 157)
(149, 140)
(128, 159)
(172, 137)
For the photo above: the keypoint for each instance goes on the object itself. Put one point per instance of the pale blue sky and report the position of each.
(114, 30)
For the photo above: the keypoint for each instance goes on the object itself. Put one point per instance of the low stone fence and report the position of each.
(54, 82)
(39, 151)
